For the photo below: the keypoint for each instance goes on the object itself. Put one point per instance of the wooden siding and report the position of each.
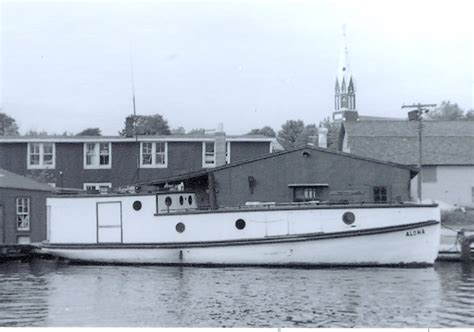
(273, 175)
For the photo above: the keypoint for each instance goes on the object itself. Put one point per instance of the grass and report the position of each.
(458, 219)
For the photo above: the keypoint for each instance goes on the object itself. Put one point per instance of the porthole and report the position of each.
(190, 200)
(348, 218)
(240, 224)
(168, 201)
(137, 205)
(181, 200)
(180, 227)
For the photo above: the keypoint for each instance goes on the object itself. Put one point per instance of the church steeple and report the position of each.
(345, 89)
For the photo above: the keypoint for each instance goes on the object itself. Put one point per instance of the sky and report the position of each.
(71, 65)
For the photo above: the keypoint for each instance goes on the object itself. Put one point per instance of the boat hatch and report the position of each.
(109, 222)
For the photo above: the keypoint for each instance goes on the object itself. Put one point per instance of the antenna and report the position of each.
(134, 111)
(133, 81)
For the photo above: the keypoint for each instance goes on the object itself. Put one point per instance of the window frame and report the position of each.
(380, 195)
(28, 214)
(305, 190)
(41, 164)
(204, 153)
(97, 184)
(97, 153)
(153, 155)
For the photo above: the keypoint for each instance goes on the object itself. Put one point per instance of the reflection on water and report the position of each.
(47, 293)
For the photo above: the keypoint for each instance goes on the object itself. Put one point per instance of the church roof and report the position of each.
(443, 142)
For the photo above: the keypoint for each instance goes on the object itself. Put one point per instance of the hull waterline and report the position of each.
(413, 244)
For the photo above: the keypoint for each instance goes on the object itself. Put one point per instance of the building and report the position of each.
(298, 175)
(102, 162)
(22, 209)
(447, 153)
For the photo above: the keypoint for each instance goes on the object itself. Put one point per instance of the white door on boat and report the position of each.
(109, 222)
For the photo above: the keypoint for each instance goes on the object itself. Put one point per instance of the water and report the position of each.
(49, 293)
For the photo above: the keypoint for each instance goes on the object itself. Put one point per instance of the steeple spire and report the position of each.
(344, 97)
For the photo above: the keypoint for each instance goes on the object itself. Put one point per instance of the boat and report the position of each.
(171, 228)
(450, 248)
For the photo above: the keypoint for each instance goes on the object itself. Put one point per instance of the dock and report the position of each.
(16, 252)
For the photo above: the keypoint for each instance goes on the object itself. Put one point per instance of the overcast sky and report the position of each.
(66, 65)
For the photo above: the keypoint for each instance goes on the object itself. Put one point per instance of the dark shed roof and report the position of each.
(14, 181)
(444, 142)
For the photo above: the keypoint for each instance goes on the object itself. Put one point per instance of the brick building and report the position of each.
(22, 209)
(113, 161)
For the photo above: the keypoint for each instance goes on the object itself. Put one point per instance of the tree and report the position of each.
(90, 132)
(308, 135)
(470, 115)
(265, 131)
(446, 111)
(289, 133)
(8, 126)
(197, 131)
(178, 131)
(146, 125)
(32, 132)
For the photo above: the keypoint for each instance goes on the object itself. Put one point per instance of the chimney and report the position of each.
(323, 137)
(129, 126)
(220, 145)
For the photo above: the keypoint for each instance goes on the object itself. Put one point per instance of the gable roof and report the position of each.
(203, 172)
(443, 142)
(14, 181)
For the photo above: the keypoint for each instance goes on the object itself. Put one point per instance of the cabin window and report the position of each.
(102, 187)
(154, 154)
(240, 224)
(23, 214)
(208, 154)
(180, 227)
(41, 155)
(348, 218)
(137, 205)
(429, 174)
(97, 155)
(380, 194)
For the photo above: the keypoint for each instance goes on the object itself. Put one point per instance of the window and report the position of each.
(41, 155)
(429, 174)
(23, 214)
(23, 240)
(302, 194)
(154, 154)
(97, 155)
(208, 154)
(102, 187)
(380, 194)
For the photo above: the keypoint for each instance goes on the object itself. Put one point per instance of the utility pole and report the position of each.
(417, 115)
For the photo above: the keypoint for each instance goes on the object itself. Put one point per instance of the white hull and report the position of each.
(111, 230)
(385, 247)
